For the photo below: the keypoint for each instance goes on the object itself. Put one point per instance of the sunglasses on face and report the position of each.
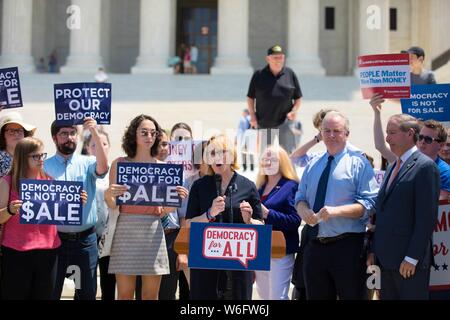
(15, 132)
(181, 138)
(145, 133)
(427, 139)
(39, 156)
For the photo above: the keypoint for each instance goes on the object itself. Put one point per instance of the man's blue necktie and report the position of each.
(321, 193)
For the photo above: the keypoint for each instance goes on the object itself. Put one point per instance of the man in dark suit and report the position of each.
(406, 213)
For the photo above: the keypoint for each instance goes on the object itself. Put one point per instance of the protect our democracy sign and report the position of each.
(228, 246)
(386, 74)
(51, 202)
(150, 184)
(10, 95)
(428, 102)
(76, 101)
(440, 273)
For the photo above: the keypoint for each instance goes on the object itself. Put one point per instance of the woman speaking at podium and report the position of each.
(209, 201)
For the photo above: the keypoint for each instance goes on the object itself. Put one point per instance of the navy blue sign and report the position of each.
(150, 184)
(51, 202)
(428, 102)
(10, 96)
(226, 246)
(76, 101)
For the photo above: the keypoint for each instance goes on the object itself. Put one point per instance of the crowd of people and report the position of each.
(337, 199)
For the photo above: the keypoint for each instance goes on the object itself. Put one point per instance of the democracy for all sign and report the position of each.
(10, 96)
(150, 184)
(226, 246)
(386, 74)
(440, 273)
(430, 101)
(76, 101)
(51, 202)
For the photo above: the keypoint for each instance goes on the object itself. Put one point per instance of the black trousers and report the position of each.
(335, 269)
(107, 280)
(169, 282)
(395, 287)
(28, 275)
(221, 284)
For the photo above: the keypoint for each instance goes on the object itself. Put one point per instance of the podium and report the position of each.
(278, 243)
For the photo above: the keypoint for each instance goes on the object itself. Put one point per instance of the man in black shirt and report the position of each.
(273, 99)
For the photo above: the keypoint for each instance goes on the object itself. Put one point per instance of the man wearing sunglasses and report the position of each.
(432, 138)
(78, 243)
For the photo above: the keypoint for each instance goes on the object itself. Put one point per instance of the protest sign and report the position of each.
(76, 101)
(386, 74)
(226, 246)
(150, 184)
(440, 273)
(429, 101)
(10, 95)
(182, 152)
(51, 202)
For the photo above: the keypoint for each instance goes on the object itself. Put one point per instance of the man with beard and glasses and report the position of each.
(78, 243)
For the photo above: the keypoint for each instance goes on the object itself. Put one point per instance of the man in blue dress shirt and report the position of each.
(78, 253)
(336, 215)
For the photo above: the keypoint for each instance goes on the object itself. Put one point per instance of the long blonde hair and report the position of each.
(20, 166)
(286, 168)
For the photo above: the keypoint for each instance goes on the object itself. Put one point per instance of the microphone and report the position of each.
(232, 188)
(218, 181)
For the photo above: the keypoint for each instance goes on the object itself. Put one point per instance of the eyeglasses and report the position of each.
(145, 133)
(66, 134)
(38, 156)
(181, 138)
(15, 132)
(428, 139)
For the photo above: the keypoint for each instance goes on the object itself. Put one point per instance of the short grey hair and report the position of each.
(407, 122)
(337, 114)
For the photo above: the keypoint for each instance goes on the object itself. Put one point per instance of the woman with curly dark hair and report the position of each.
(139, 246)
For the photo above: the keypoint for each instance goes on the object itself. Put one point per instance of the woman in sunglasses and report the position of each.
(29, 251)
(139, 246)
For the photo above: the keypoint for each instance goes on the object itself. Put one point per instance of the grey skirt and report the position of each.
(139, 246)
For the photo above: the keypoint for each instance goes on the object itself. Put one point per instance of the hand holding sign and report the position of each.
(117, 190)
(84, 197)
(376, 101)
(15, 205)
(90, 124)
(182, 192)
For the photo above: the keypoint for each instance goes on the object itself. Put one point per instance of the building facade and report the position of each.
(139, 36)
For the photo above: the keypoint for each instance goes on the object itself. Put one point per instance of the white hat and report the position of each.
(14, 117)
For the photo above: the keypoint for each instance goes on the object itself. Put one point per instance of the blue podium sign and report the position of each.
(225, 246)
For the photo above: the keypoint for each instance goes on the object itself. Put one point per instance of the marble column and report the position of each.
(232, 54)
(303, 37)
(154, 45)
(16, 35)
(84, 54)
